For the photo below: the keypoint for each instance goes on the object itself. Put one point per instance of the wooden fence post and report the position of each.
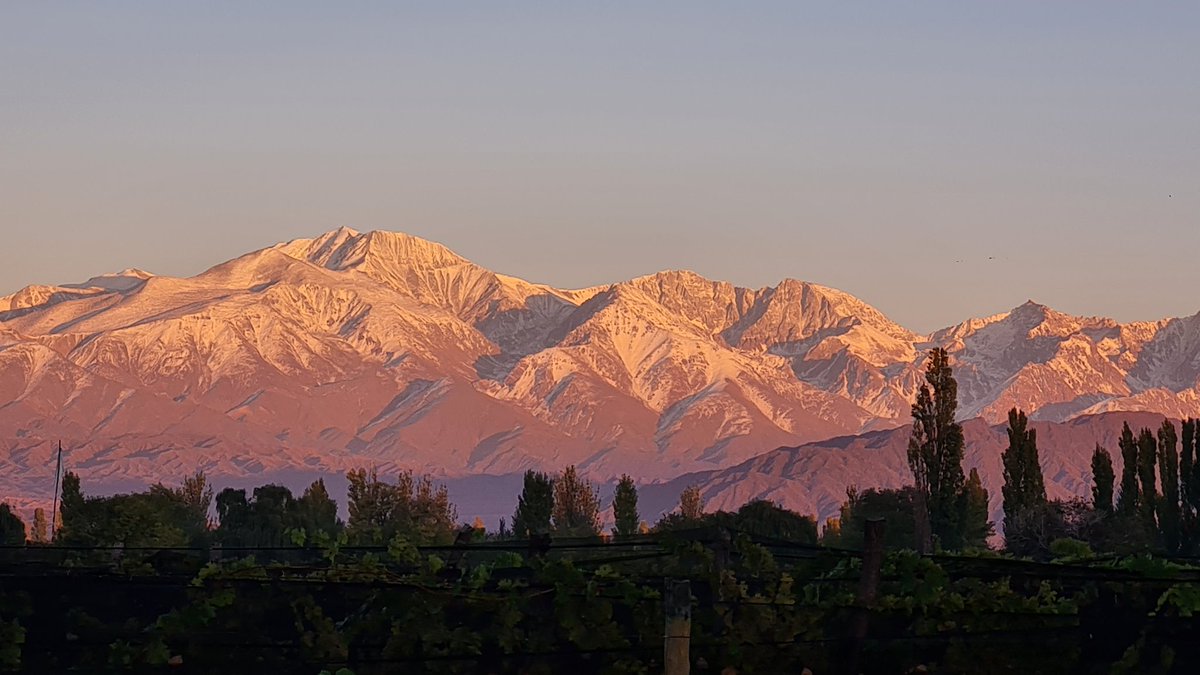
(868, 591)
(677, 639)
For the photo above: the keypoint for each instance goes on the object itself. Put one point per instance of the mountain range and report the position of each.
(348, 349)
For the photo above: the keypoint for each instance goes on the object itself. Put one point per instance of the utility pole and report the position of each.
(54, 507)
(677, 639)
(868, 592)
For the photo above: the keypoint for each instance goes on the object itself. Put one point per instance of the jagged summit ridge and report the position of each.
(379, 346)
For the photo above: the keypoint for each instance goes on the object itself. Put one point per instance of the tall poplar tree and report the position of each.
(1168, 504)
(1147, 457)
(1189, 490)
(935, 453)
(625, 508)
(1102, 480)
(1024, 487)
(1129, 502)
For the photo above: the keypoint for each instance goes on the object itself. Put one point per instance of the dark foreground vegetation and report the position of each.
(177, 579)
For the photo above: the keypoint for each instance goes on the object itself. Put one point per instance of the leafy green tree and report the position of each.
(576, 505)
(315, 511)
(535, 505)
(158, 517)
(977, 527)
(424, 512)
(1129, 502)
(691, 505)
(896, 507)
(413, 507)
(371, 504)
(1169, 515)
(12, 529)
(767, 519)
(1102, 480)
(40, 534)
(1024, 487)
(935, 454)
(625, 508)
(71, 504)
(197, 494)
(1147, 457)
(233, 516)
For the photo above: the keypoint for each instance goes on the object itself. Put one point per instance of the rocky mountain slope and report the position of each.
(381, 348)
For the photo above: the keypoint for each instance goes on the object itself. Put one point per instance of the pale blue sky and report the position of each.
(866, 146)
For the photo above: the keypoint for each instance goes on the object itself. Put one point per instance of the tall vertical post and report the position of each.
(868, 591)
(54, 506)
(677, 639)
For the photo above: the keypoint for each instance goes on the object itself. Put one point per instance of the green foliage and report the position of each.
(896, 507)
(625, 508)
(691, 505)
(414, 507)
(1147, 457)
(977, 528)
(1129, 501)
(1102, 480)
(576, 505)
(935, 454)
(1168, 507)
(1067, 549)
(40, 533)
(535, 505)
(1189, 484)
(1024, 487)
(12, 529)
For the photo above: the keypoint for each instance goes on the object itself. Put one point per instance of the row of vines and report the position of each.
(760, 607)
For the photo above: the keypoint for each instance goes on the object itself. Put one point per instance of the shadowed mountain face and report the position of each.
(322, 354)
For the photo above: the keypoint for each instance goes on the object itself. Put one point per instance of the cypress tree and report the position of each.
(1168, 504)
(1147, 457)
(935, 454)
(1129, 502)
(625, 508)
(535, 506)
(1024, 488)
(1102, 480)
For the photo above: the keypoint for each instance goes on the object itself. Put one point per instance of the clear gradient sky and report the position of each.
(862, 145)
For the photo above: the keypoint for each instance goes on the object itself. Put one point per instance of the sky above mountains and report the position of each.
(938, 160)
